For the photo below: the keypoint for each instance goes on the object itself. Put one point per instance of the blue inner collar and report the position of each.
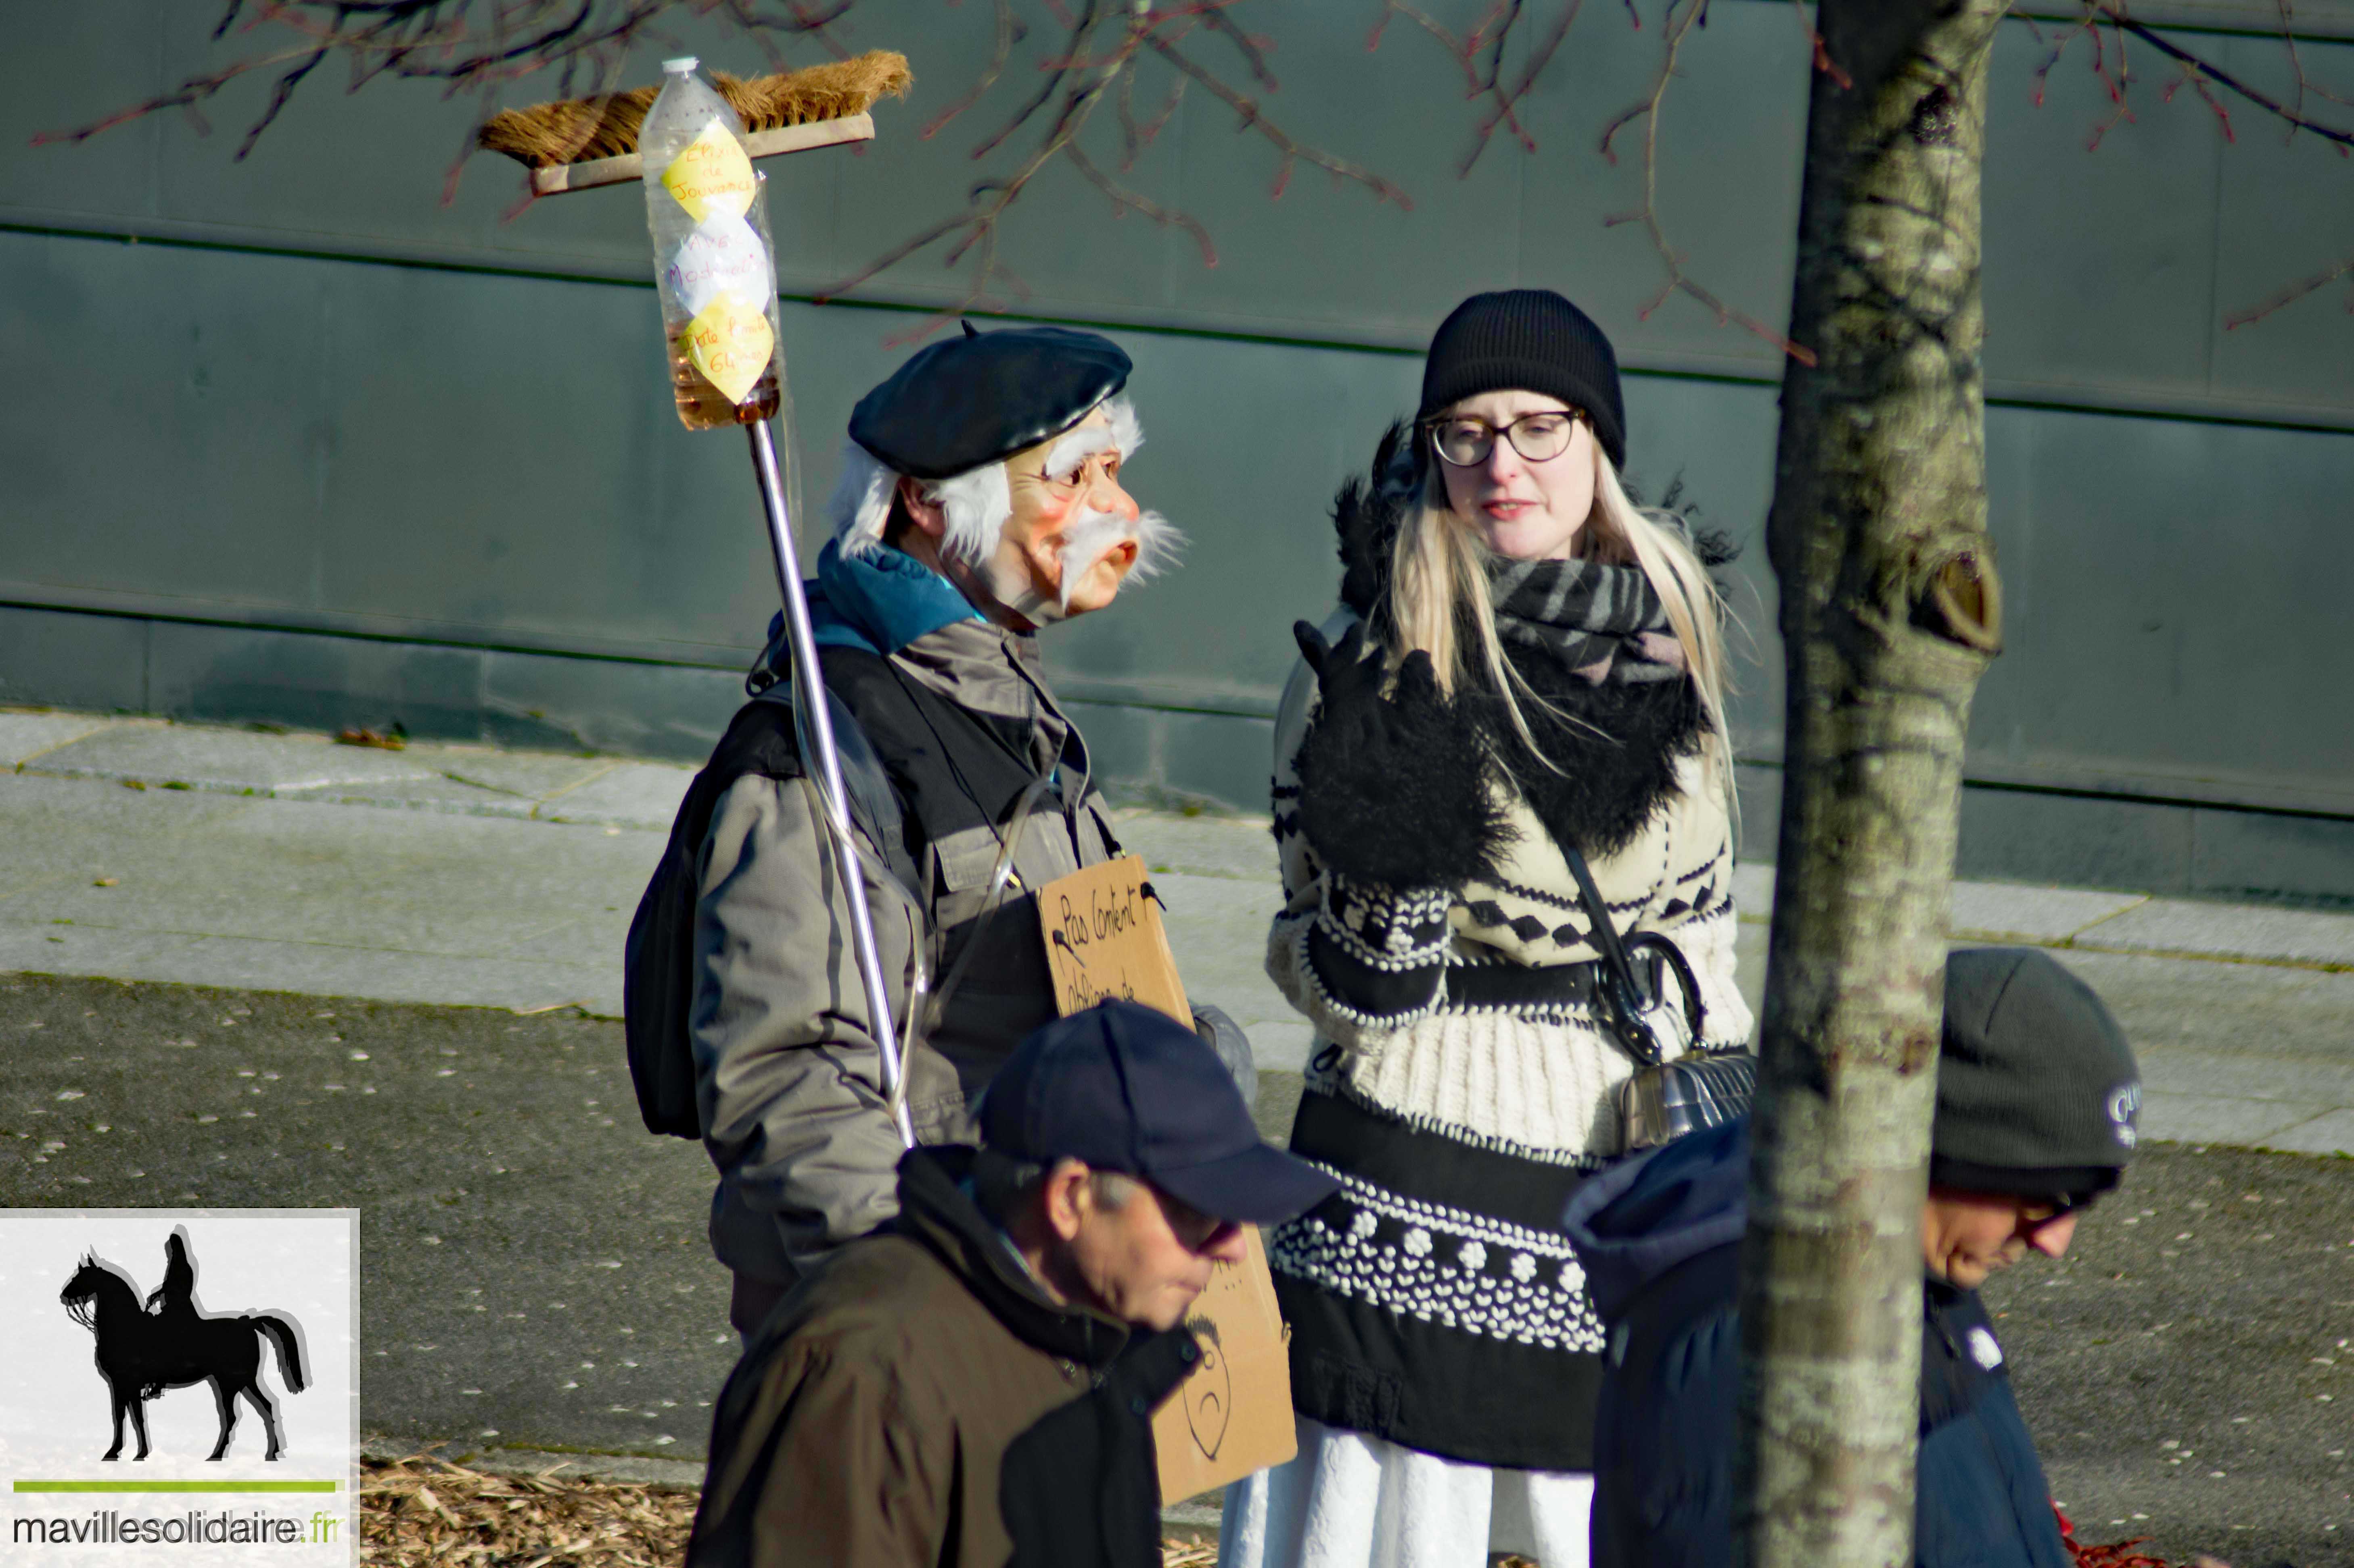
(881, 600)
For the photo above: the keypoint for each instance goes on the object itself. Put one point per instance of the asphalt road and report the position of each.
(533, 1262)
(535, 1274)
(2189, 1367)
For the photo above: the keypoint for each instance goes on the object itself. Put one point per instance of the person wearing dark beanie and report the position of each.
(1531, 338)
(1524, 667)
(2038, 1103)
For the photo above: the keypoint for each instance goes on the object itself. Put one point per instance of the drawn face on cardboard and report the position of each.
(1072, 538)
(1208, 1390)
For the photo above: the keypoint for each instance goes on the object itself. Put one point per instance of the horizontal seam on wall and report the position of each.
(2174, 409)
(296, 626)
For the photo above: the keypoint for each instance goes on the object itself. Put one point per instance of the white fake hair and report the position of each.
(977, 502)
(975, 505)
(860, 509)
(1123, 434)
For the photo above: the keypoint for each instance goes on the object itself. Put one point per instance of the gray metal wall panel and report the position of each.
(2285, 212)
(2107, 272)
(1732, 135)
(2176, 605)
(94, 662)
(159, 419)
(2100, 266)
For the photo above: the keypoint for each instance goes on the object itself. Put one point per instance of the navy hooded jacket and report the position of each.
(1659, 1240)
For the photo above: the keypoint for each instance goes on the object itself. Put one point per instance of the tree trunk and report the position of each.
(1890, 613)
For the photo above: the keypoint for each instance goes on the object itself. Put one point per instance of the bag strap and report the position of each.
(1620, 996)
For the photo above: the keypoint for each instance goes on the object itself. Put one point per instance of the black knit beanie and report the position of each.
(1533, 340)
(2037, 1088)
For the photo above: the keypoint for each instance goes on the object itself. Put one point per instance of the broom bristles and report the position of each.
(576, 130)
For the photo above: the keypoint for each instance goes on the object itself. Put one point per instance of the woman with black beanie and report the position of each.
(1522, 661)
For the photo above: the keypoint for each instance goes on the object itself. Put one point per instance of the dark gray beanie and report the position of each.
(1534, 340)
(2037, 1088)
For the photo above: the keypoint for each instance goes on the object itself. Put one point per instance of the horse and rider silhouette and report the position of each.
(168, 1343)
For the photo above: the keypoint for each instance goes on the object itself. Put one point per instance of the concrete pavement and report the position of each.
(143, 850)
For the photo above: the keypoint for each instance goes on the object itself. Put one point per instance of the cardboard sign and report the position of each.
(1104, 938)
(1232, 1414)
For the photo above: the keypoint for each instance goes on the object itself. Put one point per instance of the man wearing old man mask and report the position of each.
(982, 497)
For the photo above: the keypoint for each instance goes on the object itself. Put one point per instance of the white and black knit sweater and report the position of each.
(1460, 1088)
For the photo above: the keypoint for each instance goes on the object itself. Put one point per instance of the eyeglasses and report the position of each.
(2060, 1204)
(1465, 440)
(1195, 1231)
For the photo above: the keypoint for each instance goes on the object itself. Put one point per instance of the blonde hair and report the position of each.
(1438, 590)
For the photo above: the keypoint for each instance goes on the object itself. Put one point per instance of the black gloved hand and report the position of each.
(1371, 722)
(1394, 784)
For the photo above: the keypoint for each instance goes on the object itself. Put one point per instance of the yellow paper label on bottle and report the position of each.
(730, 342)
(712, 175)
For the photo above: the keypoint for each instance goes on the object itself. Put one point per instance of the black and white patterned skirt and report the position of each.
(1434, 1301)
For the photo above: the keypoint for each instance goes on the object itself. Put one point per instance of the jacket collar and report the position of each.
(934, 1211)
(881, 600)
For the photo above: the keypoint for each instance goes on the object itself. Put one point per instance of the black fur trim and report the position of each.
(1609, 785)
(1713, 545)
(1366, 514)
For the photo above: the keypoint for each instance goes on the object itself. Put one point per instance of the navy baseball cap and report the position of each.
(1122, 1087)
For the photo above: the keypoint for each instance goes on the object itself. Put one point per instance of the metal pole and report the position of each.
(808, 690)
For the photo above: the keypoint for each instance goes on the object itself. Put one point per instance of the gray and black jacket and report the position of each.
(959, 716)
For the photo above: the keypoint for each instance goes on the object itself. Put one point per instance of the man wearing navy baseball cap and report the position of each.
(975, 1385)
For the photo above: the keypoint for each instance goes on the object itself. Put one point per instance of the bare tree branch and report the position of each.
(1080, 78)
(1009, 32)
(2342, 268)
(1676, 27)
(439, 40)
(1125, 201)
(2117, 15)
(1291, 150)
(2206, 79)
(2340, 137)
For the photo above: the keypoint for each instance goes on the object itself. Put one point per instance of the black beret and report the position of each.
(2034, 1074)
(969, 401)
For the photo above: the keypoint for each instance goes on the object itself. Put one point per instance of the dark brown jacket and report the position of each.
(869, 1424)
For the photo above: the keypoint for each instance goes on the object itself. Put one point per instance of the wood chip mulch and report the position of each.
(423, 1511)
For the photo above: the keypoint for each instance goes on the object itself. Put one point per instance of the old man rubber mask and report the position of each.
(1072, 534)
(1048, 533)
(1004, 451)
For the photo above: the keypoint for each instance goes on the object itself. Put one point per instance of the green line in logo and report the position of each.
(176, 1486)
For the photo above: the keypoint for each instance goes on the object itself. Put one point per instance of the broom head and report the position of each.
(577, 130)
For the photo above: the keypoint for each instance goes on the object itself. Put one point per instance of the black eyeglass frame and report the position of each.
(1431, 427)
(2062, 1205)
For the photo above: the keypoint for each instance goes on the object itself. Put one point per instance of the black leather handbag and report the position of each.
(1678, 1088)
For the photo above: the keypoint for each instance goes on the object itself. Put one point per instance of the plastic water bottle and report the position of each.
(706, 212)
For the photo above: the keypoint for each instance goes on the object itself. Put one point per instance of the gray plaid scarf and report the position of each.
(1602, 622)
